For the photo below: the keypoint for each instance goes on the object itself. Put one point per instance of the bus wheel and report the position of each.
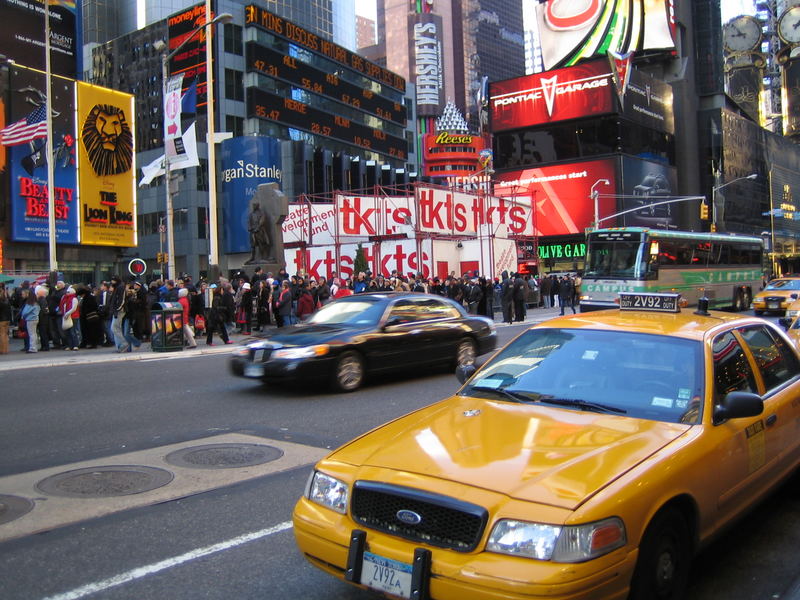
(738, 300)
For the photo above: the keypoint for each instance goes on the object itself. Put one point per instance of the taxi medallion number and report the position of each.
(386, 575)
(649, 302)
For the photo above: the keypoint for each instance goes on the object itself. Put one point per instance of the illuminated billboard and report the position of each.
(572, 31)
(562, 194)
(586, 90)
(425, 31)
(191, 60)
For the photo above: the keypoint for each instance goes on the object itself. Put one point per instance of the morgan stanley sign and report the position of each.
(428, 65)
(247, 162)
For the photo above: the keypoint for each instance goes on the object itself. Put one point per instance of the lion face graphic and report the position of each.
(108, 140)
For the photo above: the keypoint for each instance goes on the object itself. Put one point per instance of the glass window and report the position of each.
(406, 311)
(732, 370)
(641, 375)
(776, 361)
(234, 89)
(431, 308)
(233, 39)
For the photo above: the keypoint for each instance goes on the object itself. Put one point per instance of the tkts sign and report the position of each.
(571, 93)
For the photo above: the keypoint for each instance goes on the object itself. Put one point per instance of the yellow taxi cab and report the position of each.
(791, 323)
(590, 458)
(777, 296)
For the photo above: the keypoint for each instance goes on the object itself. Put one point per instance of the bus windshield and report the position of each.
(612, 259)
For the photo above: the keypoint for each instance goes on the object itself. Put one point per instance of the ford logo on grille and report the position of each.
(409, 517)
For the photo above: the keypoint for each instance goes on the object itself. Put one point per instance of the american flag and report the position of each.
(25, 130)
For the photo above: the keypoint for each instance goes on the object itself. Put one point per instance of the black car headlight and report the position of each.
(302, 351)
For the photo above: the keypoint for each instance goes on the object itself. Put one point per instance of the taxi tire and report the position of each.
(348, 375)
(662, 571)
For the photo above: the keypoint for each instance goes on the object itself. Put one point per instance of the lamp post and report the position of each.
(594, 196)
(165, 57)
(714, 191)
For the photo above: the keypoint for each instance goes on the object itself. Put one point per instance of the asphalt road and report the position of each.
(232, 539)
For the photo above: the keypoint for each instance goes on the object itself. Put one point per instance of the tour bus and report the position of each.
(725, 268)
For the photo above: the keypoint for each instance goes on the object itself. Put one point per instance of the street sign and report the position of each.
(162, 228)
(137, 267)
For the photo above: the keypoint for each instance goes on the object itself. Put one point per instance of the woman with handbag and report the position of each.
(5, 318)
(70, 311)
(30, 312)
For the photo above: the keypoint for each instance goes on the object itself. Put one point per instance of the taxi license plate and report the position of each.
(386, 575)
(773, 305)
(253, 370)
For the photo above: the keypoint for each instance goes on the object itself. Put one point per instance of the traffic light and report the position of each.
(704, 211)
(160, 258)
(165, 257)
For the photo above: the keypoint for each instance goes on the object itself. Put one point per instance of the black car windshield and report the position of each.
(636, 374)
(784, 284)
(358, 310)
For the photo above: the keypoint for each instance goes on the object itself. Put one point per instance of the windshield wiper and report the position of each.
(509, 394)
(584, 404)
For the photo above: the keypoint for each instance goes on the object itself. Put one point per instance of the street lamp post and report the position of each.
(165, 58)
(594, 196)
(714, 191)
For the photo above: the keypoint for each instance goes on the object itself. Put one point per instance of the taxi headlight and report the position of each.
(328, 491)
(302, 352)
(567, 544)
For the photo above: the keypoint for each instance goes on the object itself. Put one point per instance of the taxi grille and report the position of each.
(444, 522)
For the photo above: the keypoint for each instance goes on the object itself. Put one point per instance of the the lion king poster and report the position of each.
(106, 167)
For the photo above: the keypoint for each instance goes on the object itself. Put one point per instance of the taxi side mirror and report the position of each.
(737, 405)
(785, 322)
(464, 372)
(793, 296)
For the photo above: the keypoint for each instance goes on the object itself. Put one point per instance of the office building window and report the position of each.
(234, 90)
(235, 125)
(233, 39)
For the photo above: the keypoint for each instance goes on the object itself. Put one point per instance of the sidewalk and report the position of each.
(18, 359)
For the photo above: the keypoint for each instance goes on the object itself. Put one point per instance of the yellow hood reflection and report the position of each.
(529, 452)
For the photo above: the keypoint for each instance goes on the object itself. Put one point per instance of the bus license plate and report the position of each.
(386, 575)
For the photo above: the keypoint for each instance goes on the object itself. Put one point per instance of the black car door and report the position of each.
(400, 338)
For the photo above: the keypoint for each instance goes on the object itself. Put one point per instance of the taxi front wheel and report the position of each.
(662, 570)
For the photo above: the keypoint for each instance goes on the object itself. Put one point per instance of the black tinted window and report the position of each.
(732, 370)
(776, 361)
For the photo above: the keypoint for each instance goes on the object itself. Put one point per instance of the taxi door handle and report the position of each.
(771, 420)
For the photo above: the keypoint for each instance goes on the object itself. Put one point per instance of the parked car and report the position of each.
(362, 334)
(588, 459)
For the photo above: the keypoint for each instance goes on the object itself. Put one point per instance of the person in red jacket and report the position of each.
(183, 300)
(305, 302)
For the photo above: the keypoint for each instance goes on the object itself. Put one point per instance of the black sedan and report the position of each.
(368, 333)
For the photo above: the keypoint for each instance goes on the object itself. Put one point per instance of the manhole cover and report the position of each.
(223, 456)
(104, 482)
(13, 507)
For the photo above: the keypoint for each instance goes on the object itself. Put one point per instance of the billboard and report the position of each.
(581, 91)
(22, 38)
(371, 215)
(562, 194)
(643, 184)
(573, 31)
(246, 163)
(648, 101)
(191, 60)
(106, 166)
(425, 31)
(25, 141)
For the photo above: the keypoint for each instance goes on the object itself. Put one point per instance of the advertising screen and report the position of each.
(106, 166)
(246, 163)
(562, 194)
(645, 183)
(581, 91)
(191, 60)
(22, 36)
(573, 31)
(25, 140)
(424, 37)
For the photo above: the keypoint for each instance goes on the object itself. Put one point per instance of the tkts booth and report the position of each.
(582, 144)
(436, 231)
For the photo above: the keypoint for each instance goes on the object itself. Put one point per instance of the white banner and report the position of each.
(309, 223)
(458, 213)
(374, 215)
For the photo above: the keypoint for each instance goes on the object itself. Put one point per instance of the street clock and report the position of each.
(742, 34)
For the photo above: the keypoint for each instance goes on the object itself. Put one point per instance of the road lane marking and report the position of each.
(138, 573)
(51, 511)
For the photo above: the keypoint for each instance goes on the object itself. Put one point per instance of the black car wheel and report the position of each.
(662, 570)
(349, 373)
(465, 353)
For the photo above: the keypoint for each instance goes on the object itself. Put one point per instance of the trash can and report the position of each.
(166, 327)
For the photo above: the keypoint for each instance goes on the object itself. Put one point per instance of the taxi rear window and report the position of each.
(646, 376)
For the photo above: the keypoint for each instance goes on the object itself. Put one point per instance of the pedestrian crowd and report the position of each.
(117, 313)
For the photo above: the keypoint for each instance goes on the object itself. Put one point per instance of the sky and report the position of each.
(734, 8)
(366, 8)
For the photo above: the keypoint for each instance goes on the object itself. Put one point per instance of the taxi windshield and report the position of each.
(358, 311)
(640, 375)
(784, 284)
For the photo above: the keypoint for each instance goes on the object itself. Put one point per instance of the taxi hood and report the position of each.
(536, 453)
